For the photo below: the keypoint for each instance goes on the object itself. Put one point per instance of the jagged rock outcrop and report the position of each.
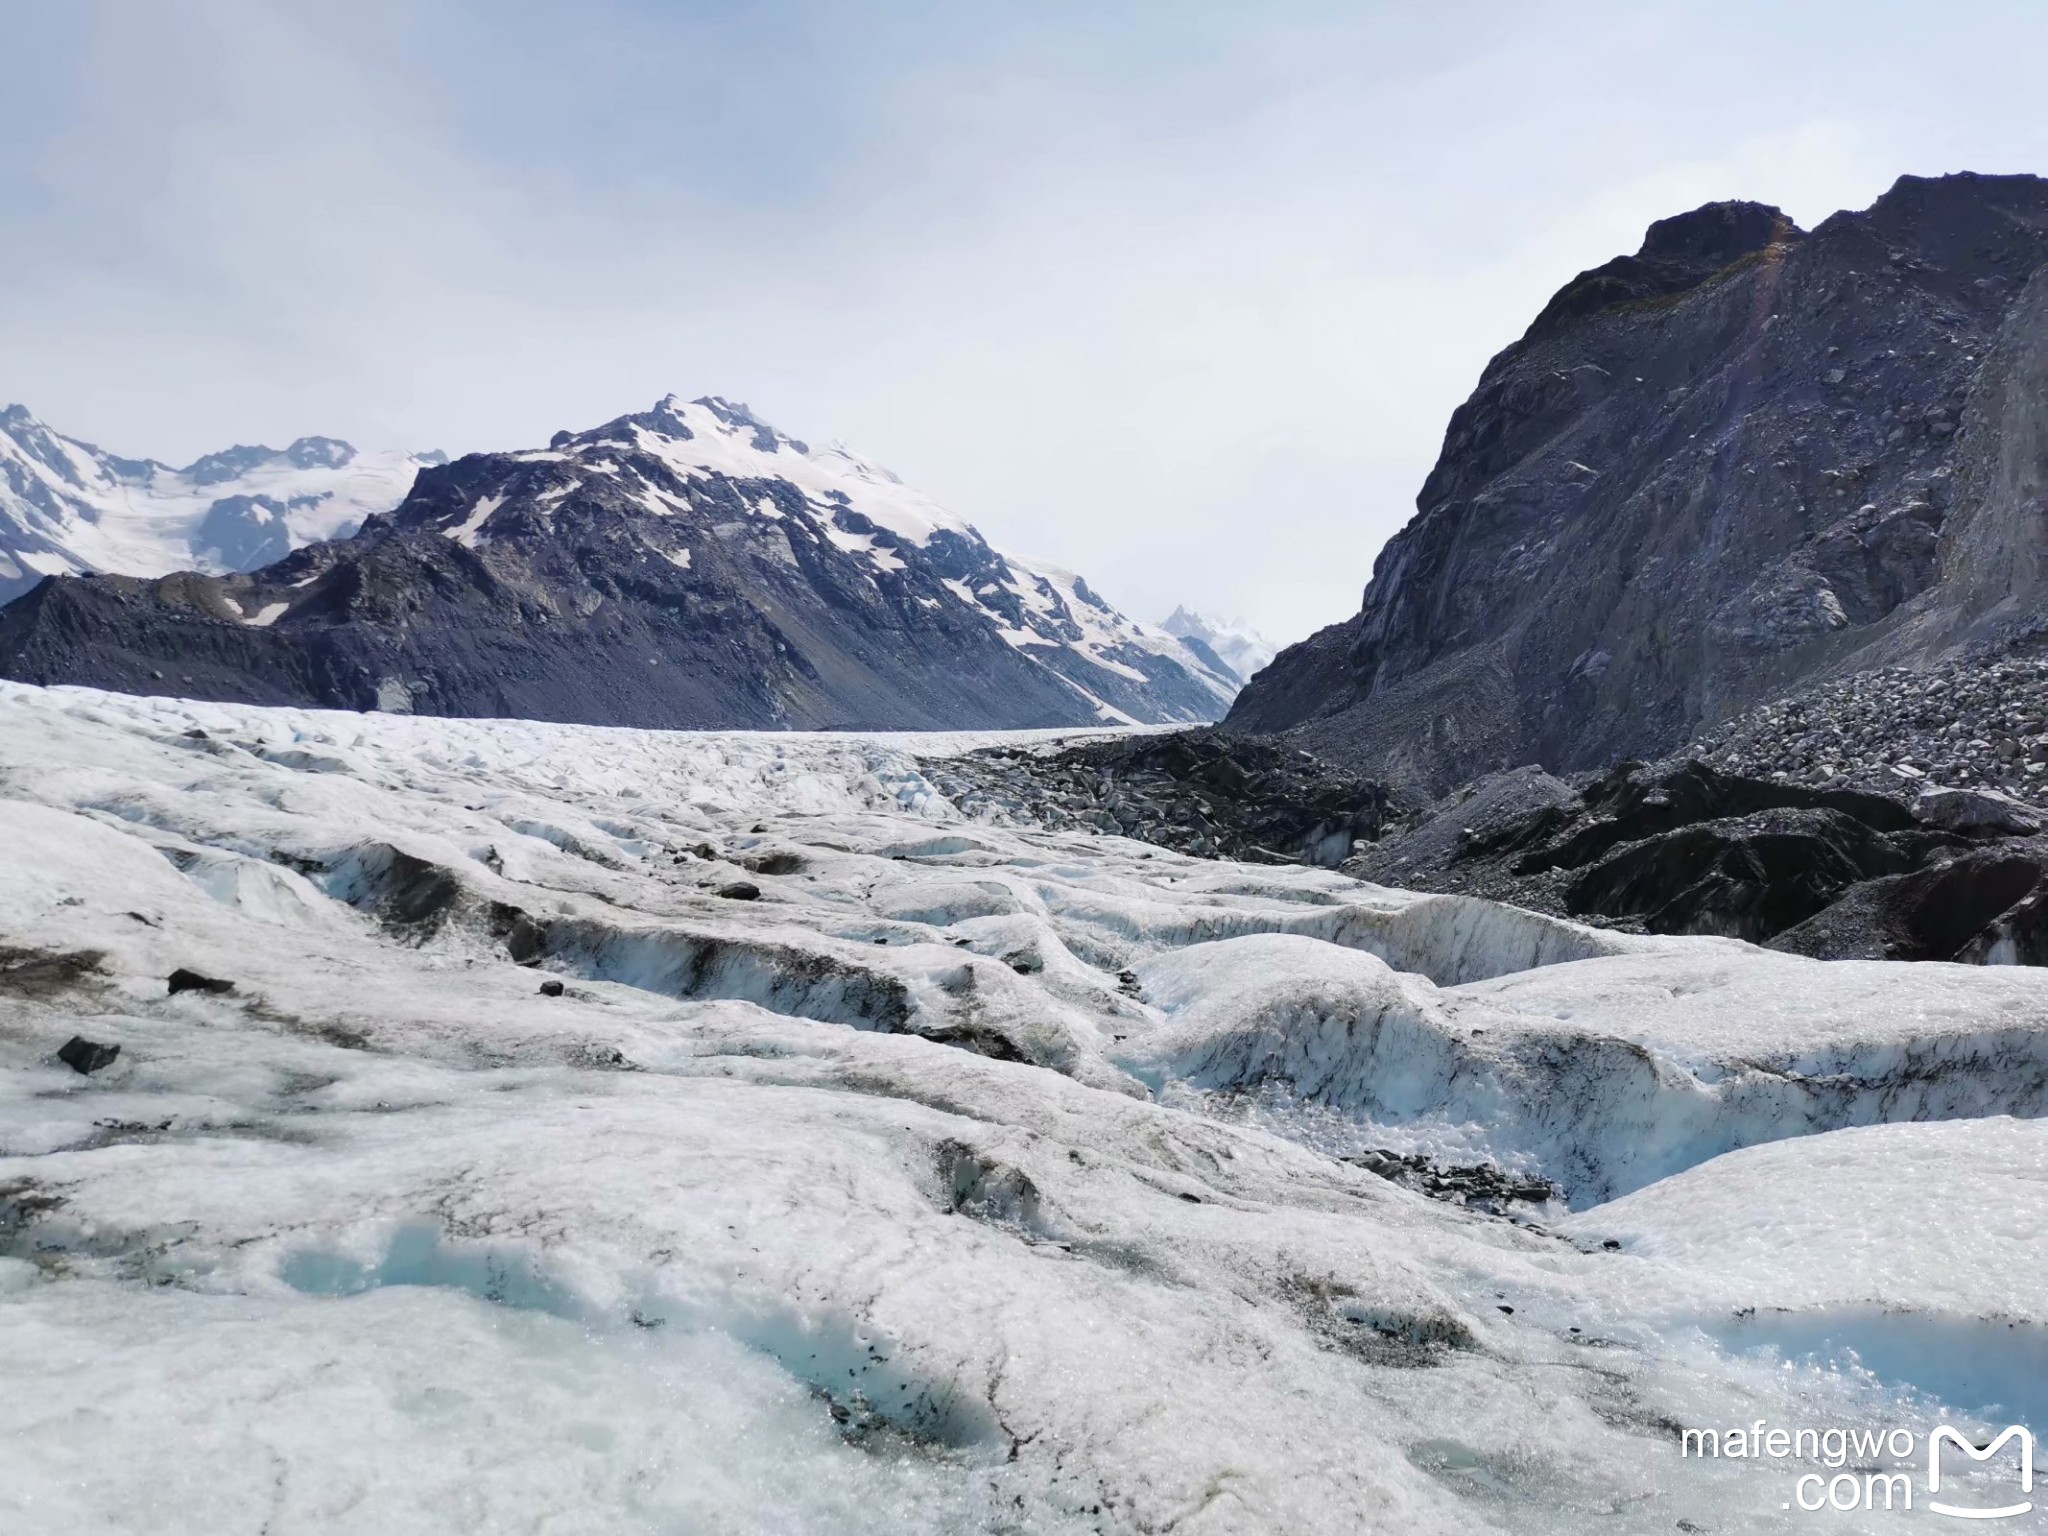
(1744, 458)
(687, 566)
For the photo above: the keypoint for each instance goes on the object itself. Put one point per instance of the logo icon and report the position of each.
(2026, 1441)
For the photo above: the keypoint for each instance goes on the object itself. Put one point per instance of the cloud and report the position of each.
(1179, 296)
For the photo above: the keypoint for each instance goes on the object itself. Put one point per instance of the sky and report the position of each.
(1179, 295)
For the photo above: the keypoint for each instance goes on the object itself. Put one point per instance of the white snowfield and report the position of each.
(971, 1178)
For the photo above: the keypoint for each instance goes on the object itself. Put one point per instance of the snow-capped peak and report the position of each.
(1036, 604)
(868, 512)
(715, 436)
(837, 456)
(69, 507)
(1232, 641)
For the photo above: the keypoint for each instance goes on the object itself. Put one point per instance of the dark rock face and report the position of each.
(684, 567)
(320, 452)
(245, 532)
(1198, 792)
(1740, 459)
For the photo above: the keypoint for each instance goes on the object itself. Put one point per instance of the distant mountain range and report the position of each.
(68, 508)
(1241, 650)
(1745, 458)
(685, 566)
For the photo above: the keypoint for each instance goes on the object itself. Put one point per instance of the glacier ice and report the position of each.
(974, 1177)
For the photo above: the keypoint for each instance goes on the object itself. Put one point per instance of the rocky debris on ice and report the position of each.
(1675, 848)
(1483, 1187)
(1197, 792)
(1423, 844)
(1684, 848)
(183, 980)
(1981, 906)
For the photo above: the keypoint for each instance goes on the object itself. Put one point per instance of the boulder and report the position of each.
(1976, 811)
(182, 980)
(86, 1056)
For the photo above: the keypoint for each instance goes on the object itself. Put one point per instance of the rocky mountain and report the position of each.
(1241, 649)
(1744, 459)
(70, 508)
(686, 566)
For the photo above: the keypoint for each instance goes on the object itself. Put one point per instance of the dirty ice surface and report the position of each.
(941, 1175)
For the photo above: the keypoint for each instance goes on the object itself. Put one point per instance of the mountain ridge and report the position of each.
(686, 566)
(69, 507)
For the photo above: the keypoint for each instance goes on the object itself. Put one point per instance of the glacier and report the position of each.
(601, 1129)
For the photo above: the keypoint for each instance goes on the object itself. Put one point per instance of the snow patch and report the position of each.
(465, 533)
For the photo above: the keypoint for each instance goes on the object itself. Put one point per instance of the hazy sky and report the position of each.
(1177, 294)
